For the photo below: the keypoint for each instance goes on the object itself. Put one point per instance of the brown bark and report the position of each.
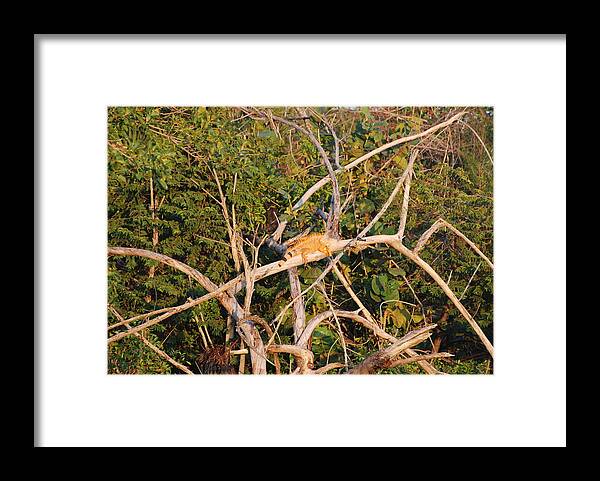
(385, 358)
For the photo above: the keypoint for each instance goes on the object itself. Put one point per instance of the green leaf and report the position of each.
(265, 134)
(391, 295)
(401, 161)
(375, 297)
(398, 316)
(366, 206)
(310, 274)
(383, 281)
(375, 286)
(396, 271)
(377, 228)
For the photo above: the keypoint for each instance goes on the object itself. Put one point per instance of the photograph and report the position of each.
(300, 240)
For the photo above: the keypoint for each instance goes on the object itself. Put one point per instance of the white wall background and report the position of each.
(523, 403)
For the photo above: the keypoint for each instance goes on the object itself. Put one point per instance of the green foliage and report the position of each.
(173, 154)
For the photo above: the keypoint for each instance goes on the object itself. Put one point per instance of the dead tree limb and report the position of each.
(141, 316)
(304, 357)
(228, 301)
(383, 359)
(435, 276)
(469, 242)
(334, 215)
(298, 306)
(427, 367)
(329, 367)
(481, 141)
(405, 199)
(336, 245)
(234, 245)
(376, 151)
(438, 224)
(420, 358)
(166, 315)
(322, 118)
(425, 236)
(150, 345)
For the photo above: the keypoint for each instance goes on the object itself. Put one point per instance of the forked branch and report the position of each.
(386, 357)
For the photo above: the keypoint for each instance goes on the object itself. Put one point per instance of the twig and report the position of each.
(404, 208)
(333, 221)
(443, 223)
(259, 360)
(339, 327)
(158, 351)
(336, 141)
(166, 315)
(230, 229)
(427, 234)
(328, 367)
(141, 316)
(298, 305)
(415, 295)
(479, 138)
(228, 301)
(376, 151)
(201, 331)
(383, 359)
(428, 368)
(435, 276)
(469, 283)
(468, 241)
(304, 357)
(424, 357)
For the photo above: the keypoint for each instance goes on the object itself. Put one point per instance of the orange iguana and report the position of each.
(307, 245)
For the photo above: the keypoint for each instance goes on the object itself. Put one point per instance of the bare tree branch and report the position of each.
(384, 358)
(435, 276)
(227, 301)
(405, 199)
(328, 367)
(376, 151)
(481, 141)
(428, 368)
(424, 357)
(468, 241)
(322, 118)
(427, 234)
(334, 216)
(304, 357)
(443, 223)
(155, 349)
(230, 228)
(299, 312)
(166, 315)
(469, 283)
(259, 359)
(141, 316)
